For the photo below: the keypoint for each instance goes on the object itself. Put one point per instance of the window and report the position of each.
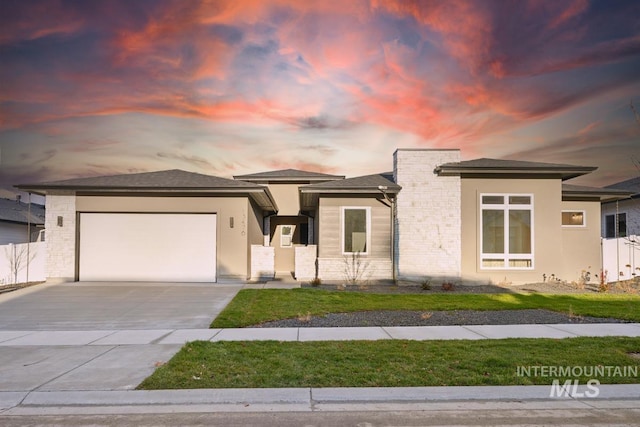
(356, 225)
(610, 226)
(507, 231)
(286, 236)
(573, 219)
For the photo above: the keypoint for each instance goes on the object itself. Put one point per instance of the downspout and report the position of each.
(28, 234)
(616, 230)
(392, 202)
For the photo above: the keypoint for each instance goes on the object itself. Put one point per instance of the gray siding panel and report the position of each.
(330, 243)
(13, 233)
(330, 231)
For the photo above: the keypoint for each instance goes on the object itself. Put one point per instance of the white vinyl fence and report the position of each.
(23, 262)
(621, 258)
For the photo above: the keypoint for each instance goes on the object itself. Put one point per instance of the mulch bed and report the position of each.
(434, 318)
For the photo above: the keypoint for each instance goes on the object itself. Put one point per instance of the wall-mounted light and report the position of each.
(230, 222)
(59, 221)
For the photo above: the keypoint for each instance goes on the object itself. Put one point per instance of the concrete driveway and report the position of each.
(109, 306)
(85, 313)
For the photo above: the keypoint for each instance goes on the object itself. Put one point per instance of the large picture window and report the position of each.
(356, 229)
(507, 231)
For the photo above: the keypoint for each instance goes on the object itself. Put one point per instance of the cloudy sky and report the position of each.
(230, 87)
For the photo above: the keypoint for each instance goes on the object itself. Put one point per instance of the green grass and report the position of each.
(251, 306)
(394, 363)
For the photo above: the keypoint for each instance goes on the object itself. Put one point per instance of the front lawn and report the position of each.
(252, 306)
(393, 363)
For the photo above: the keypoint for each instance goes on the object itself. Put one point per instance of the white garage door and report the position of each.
(147, 247)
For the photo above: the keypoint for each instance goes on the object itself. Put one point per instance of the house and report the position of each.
(621, 218)
(432, 216)
(19, 220)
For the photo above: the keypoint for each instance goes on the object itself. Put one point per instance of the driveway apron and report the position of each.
(99, 309)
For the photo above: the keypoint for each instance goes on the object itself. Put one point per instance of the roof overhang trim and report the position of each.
(563, 173)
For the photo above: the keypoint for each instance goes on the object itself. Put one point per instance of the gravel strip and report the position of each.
(434, 318)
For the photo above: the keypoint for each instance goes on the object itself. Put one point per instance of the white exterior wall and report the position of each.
(428, 211)
(61, 241)
(343, 269)
(262, 262)
(305, 262)
(20, 256)
(621, 258)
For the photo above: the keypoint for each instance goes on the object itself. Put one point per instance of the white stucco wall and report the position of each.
(61, 240)
(427, 235)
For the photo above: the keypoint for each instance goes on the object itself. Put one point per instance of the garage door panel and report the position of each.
(147, 247)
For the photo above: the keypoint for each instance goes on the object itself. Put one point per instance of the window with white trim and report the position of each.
(286, 236)
(506, 231)
(574, 219)
(356, 230)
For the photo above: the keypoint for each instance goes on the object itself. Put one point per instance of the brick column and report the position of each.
(61, 239)
(428, 210)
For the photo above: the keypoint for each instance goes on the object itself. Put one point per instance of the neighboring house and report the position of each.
(433, 216)
(19, 220)
(621, 218)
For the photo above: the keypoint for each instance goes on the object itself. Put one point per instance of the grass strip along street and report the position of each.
(396, 363)
(252, 307)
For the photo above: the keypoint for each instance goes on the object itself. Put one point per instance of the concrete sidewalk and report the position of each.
(181, 336)
(314, 399)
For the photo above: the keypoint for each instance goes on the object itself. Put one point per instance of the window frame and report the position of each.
(584, 218)
(617, 233)
(343, 210)
(290, 236)
(505, 207)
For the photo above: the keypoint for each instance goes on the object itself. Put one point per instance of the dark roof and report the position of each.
(604, 194)
(168, 179)
(18, 212)
(362, 183)
(632, 185)
(288, 175)
(499, 166)
(376, 184)
(174, 180)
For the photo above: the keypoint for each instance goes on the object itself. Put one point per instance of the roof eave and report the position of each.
(564, 173)
(350, 190)
(288, 179)
(267, 202)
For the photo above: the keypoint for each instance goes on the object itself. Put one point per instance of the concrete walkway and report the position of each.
(420, 333)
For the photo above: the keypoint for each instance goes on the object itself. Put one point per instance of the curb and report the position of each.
(311, 399)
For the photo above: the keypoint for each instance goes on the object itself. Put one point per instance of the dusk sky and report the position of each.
(232, 87)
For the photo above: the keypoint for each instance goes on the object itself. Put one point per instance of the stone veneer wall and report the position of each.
(61, 241)
(335, 269)
(262, 262)
(305, 262)
(428, 216)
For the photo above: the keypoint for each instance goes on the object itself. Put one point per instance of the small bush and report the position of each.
(447, 286)
(426, 285)
(315, 282)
